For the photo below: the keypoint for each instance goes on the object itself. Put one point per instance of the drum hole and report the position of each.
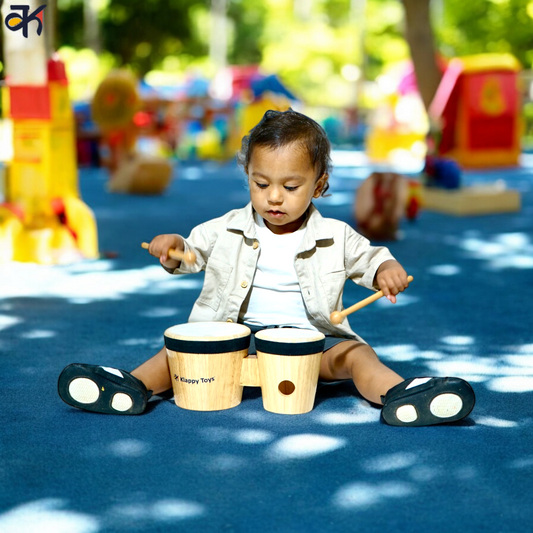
(286, 387)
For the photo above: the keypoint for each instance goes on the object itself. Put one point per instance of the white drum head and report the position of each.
(213, 331)
(289, 335)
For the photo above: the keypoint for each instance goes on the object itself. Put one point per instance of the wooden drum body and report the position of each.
(205, 360)
(289, 366)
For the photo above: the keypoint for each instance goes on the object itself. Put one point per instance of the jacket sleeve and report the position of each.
(201, 242)
(361, 259)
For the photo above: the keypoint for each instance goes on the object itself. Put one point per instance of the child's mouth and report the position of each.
(276, 214)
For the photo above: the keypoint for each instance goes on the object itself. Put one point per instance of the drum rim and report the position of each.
(240, 331)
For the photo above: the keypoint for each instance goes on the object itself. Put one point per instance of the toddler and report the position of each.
(278, 263)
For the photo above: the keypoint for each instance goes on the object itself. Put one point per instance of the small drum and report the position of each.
(289, 365)
(205, 360)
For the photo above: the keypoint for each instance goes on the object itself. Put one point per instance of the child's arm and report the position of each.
(160, 245)
(391, 279)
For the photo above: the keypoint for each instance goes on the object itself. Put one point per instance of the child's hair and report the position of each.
(280, 128)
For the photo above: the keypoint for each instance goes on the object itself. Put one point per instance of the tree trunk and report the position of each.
(420, 38)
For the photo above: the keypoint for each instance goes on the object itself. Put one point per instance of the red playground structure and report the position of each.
(477, 110)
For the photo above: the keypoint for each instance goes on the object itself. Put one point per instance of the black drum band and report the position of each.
(289, 348)
(208, 346)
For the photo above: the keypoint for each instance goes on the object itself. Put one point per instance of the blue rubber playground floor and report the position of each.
(336, 469)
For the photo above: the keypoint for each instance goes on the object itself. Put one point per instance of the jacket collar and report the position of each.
(317, 226)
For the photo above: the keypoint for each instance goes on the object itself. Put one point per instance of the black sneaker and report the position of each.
(427, 401)
(102, 390)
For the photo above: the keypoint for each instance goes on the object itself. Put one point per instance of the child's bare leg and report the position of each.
(358, 361)
(155, 373)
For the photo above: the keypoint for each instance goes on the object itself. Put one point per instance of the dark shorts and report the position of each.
(329, 343)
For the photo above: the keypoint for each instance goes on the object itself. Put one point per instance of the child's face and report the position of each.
(282, 184)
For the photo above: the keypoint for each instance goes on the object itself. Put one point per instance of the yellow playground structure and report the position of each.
(42, 218)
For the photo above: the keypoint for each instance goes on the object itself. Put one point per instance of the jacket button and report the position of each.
(229, 320)
(244, 284)
(255, 245)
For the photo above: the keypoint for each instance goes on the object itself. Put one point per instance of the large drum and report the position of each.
(289, 366)
(205, 360)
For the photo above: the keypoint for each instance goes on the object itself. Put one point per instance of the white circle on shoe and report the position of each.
(406, 413)
(84, 390)
(446, 405)
(121, 402)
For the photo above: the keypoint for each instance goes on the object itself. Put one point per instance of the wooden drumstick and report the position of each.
(338, 316)
(178, 255)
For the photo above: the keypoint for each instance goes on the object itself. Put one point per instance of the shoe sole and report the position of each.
(84, 387)
(447, 400)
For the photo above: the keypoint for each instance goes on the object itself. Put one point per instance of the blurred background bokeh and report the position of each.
(345, 62)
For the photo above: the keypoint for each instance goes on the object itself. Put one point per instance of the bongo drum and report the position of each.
(205, 360)
(289, 365)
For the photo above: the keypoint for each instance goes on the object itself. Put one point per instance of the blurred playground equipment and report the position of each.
(398, 125)
(42, 218)
(382, 201)
(116, 111)
(476, 113)
(214, 116)
(476, 122)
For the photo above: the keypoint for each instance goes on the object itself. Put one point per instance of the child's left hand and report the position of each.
(391, 279)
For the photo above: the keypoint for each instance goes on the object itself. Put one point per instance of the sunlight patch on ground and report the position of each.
(176, 509)
(401, 301)
(129, 448)
(502, 251)
(251, 416)
(506, 373)
(253, 436)
(46, 515)
(7, 321)
(495, 422)
(444, 270)
(361, 413)
(159, 312)
(150, 342)
(390, 463)
(338, 198)
(511, 384)
(225, 463)
(361, 495)
(524, 462)
(191, 173)
(304, 446)
(38, 334)
(87, 285)
(406, 352)
(166, 510)
(458, 340)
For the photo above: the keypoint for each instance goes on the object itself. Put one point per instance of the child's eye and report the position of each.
(290, 189)
(261, 185)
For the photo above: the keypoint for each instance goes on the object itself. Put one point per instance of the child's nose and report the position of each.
(276, 195)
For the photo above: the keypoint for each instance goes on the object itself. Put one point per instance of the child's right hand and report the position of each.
(160, 245)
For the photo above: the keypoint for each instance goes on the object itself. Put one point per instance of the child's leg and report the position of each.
(358, 361)
(411, 402)
(155, 373)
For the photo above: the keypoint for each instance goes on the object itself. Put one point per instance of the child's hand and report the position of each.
(160, 245)
(392, 279)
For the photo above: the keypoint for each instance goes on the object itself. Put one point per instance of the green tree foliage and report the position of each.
(479, 26)
(310, 51)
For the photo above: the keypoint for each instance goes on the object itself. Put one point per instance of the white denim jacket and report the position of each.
(330, 253)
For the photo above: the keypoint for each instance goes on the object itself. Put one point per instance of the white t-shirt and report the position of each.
(275, 298)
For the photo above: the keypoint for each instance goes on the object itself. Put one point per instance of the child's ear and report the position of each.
(320, 185)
